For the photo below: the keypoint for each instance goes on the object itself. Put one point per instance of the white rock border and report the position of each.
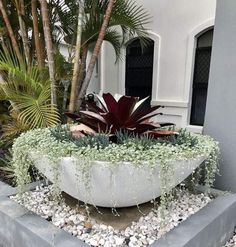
(143, 233)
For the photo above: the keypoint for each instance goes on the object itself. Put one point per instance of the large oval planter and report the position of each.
(112, 185)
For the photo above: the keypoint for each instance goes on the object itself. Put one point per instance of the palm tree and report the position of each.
(10, 31)
(49, 48)
(127, 20)
(96, 51)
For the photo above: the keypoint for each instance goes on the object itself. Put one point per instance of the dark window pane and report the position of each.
(139, 69)
(202, 65)
(201, 77)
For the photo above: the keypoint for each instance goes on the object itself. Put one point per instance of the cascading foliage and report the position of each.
(59, 142)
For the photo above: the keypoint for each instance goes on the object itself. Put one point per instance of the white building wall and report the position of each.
(109, 70)
(174, 28)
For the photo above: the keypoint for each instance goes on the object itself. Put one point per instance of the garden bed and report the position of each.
(214, 223)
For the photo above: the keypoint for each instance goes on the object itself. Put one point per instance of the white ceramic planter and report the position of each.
(119, 185)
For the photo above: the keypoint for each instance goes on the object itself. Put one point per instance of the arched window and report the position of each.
(139, 69)
(201, 77)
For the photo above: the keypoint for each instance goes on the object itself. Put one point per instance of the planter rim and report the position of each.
(105, 162)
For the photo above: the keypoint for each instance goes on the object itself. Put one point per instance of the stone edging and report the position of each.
(22, 228)
(212, 226)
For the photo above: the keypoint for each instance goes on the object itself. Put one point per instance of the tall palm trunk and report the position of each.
(20, 6)
(37, 38)
(96, 51)
(49, 48)
(82, 72)
(10, 32)
(77, 62)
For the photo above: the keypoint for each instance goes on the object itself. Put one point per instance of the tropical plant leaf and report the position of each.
(93, 107)
(110, 102)
(125, 107)
(128, 20)
(13, 127)
(29, 95)
(115, 39)
(118, 114)
(93, 115)
(6, 167)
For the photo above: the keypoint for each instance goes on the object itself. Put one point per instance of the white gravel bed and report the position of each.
(140, 234)
(232, 241)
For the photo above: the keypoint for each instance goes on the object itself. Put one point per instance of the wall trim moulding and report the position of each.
(171, 103)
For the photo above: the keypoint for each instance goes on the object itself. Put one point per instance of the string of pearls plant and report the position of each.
(131, 150)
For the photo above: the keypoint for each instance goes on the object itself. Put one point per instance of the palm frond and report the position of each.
(28, 94)
(13, 127)
(132, 18)
(114, 38)
(127, 16)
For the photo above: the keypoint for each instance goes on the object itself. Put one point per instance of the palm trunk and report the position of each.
(49, 48)
(37, 39)
(77, 62)
(96, 51)
(82, 73)
(66, 85)
(20, 6)
(10, 32)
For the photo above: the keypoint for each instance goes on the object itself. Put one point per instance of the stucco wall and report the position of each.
(175, 23)
(220, 119)
(109, 70)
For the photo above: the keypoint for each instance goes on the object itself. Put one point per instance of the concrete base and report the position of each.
(212, 226)
(22, 228)
(220, 109)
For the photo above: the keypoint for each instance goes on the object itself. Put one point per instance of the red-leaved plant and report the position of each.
(121, 113)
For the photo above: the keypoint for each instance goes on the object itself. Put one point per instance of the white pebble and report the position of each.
(93, 242)
(119, 241)
(140, 234)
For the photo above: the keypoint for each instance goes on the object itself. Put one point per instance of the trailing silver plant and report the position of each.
(43, 142)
